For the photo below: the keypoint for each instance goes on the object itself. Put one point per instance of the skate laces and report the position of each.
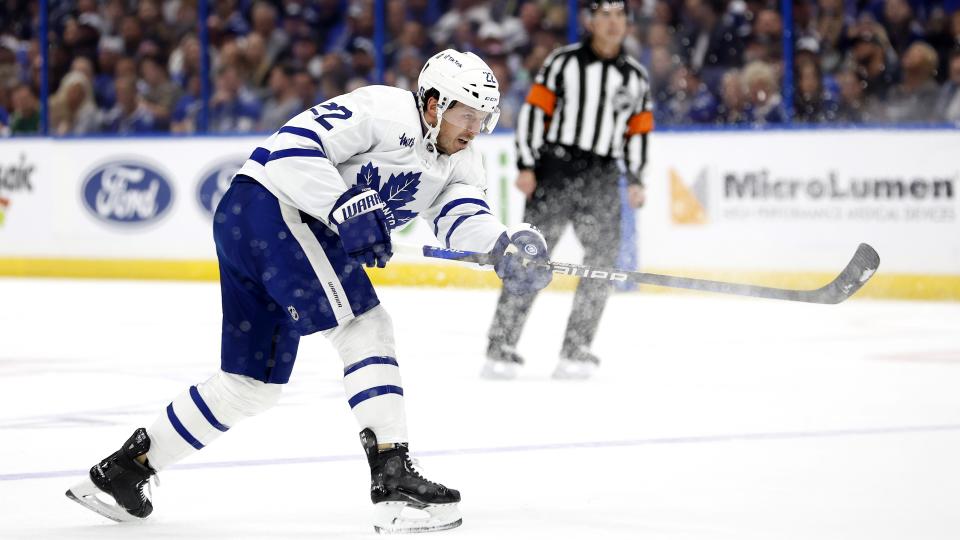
(415, 468)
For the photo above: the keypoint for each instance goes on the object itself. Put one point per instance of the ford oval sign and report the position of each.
(127, 192)
(214, 182)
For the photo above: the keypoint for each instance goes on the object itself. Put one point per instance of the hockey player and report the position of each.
(314, 204)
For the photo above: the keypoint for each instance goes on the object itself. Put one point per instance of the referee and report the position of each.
(588, 108)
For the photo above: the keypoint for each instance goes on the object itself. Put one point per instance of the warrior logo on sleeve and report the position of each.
(400, 189)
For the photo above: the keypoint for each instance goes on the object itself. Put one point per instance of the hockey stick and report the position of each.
(863, 265)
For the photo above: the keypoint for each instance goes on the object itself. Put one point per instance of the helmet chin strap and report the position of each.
(430, 148)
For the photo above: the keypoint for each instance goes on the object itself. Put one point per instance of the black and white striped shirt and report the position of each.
(581, 100)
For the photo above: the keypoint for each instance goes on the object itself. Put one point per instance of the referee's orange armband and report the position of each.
(640, 123)
(542, 97)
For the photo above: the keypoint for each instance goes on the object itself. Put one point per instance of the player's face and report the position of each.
(459, 126)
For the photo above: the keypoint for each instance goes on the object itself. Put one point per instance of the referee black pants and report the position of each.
(583, 191)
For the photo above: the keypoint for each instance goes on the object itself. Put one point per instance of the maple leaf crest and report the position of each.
(369, 176)
(400, 189)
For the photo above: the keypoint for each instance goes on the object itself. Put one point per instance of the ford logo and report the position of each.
(214, 183)
(127, 192)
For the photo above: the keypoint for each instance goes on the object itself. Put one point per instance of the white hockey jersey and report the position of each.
(374, 136)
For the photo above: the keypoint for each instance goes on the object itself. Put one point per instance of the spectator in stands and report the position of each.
(25, 117)
(124, 67)
(812, 104)
(183, 20)
(853, 106)
(129, 115)
(658, 37)
(305, 56)
(113, 12)
(490, 39)
(185, 112)
(913, 99)
(308, 92)
(406, 69)
(529, 18)
(226, 20)
(83, 65)
(284, 102)
(768, 36)
(9, 70)
(160, 95)
(660, 68)
(873, 67)
(471, 12)
(331, 84)
(709, 41)
(185, 60)
(263, 16)
(233, 108)
(82, 35)
(72, 109)
(108, 56)
(152, 25)
(688, 99)
(132, 35)
(335, 71)
(256, 63)
(732, 107)
(901, 28)
(415, 35)
(831, 26)
(764, 102)
(948, 102)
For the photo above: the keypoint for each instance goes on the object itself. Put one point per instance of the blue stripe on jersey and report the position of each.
(260, 155)
(369, 361)
(177, 425)
(360, 397)
(303, 132)
(295, 152)
(450, 206)
(207, 413)
(457, 223)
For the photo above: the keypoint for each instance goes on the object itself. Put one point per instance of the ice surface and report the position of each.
(710, 418)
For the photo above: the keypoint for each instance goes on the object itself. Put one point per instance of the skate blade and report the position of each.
(499, 370)
(403, 518)
(87, 494)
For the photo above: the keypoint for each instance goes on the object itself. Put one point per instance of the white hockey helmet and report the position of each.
(464, 78)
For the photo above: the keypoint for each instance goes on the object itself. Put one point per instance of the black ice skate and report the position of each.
(576, 362)
(121, 477)
(503, 362)
(403, 500)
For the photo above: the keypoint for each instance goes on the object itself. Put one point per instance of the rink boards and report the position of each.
(785, 208)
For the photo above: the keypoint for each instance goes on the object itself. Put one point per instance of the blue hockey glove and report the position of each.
(358, 215)
(518, 252)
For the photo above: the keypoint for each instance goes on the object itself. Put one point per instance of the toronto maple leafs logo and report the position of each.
(400, 189)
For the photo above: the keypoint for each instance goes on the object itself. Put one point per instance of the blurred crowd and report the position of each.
(134, 66)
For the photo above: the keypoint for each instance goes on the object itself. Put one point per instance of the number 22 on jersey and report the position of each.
(339, 112)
